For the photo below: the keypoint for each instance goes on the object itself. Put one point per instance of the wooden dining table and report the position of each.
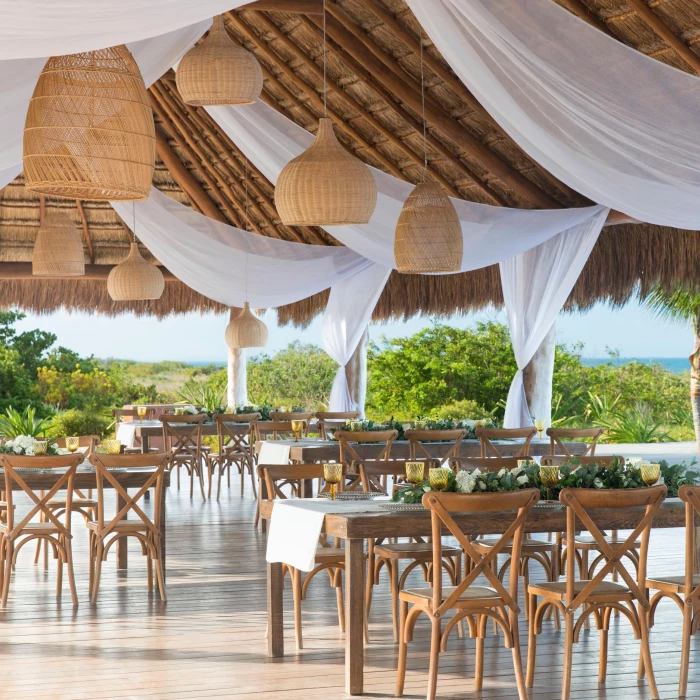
(356, 528)
(147, 429)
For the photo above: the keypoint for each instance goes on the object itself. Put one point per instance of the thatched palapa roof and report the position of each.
(374, 100)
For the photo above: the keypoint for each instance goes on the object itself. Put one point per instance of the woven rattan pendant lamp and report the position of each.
(325, 185)
(58, 249)
(428, 234)
(217, 72)
(135, 279)
(89, 130)
(246, 331)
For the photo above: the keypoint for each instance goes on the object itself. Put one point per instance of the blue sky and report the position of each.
(632, 330)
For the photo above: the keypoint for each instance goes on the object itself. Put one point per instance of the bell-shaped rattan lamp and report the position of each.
(428, 233)
(135, 278)
(325, 185)
(246, 331)
(89, 131)
(58, 249)
(218, 72)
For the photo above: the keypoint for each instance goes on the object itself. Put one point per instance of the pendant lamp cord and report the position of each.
(325, 88)
(133, 230)
(422, 97)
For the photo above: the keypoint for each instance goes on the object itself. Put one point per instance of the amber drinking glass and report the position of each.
(549, 476)
(114, 447)
(40, 447)
(650, 472)
(72, 444)
(297, 427)
(141, 410)
(540, 425)
(438, 478)
(415, 472)
(332, 474)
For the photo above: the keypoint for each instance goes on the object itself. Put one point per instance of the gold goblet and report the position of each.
(438, 478)
(332, 474)
(114, 447)
(297, 427)
(141, 410)
(540, 425)
(40, 447)
(549, 476)
(72, 444)
(420, 424)
(650, 472)
(415, 472)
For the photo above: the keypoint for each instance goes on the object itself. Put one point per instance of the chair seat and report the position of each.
(588, 542)
(557, 589)
(34, 529)
(675, 583)
(325, 554)
(530, 544)
(472, 594)
(77, 503)
(412, 550)
(121, 526)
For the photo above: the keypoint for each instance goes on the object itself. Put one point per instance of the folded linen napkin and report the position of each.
(274, 452)
(126, 433)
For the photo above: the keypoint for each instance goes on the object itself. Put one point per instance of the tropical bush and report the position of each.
(77, 422)
(210, 396)
(13, 423)
(462, 409)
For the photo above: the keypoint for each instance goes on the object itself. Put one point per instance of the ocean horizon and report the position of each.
(677, 365)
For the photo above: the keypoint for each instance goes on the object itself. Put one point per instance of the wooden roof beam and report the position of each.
(86, 230)
(23, 271)
(306, 7)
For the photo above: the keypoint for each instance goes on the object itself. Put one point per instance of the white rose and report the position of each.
(476, 473)
(501, 474)
(9, 443)
(482, 486)
(18, 449)
(465, 482)
(515, 471)
(597, 483)
(522, 479)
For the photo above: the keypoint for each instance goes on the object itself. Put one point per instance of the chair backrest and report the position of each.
(486, 464)
(333, 419)
(578, 502)
(557, 435)
(273, 430)
(485, 436)
(10, 463)
(443, 505)
(278, 476)
(182, 435)
(88, 441)
(690, 495)
(415, 438)
(241, 417)
(348, 454)
(233, 438)
(561, 459)
(103, 463)
(290, 415)
(374, 473)
(121, 413)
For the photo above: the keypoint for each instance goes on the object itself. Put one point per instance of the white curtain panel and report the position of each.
(18, 78)
(536, 285)
(610, 122)
(348, 314)
(36, 28)
(491, 234)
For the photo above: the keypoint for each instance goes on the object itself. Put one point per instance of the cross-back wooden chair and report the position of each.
(416, 438)
(349, 456)
(486, 435)
(333, 419)
(289, 416)
(417, 551)
(475, 603)
(235, 440)
(17, 530)
(273, 430)
(595, 596)
(121, 413)
(105, 532)
(328, 558)
(558, 435)
(684, 590)
(182, 438)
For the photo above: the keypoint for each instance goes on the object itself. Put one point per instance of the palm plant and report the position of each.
(682, 305)
(209, 396)
(14, 423)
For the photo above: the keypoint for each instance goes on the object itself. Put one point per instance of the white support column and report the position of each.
(537, 378)
(356, 374)
(237, 389)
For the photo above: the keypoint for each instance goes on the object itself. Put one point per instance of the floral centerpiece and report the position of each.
(677, 475)
(451, 424)
(371, 426)
(25, 445)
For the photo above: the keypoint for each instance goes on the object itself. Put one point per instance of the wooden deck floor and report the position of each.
(208, 640)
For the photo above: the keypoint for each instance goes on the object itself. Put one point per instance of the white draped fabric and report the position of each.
(583, 105)
(36, 28)
(348, 314)
(491, 234)
(18, 77)
(536, 285)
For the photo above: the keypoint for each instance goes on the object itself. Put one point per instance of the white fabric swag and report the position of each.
(36, 28)
(491, 234)
(536, 285)
(583, 105)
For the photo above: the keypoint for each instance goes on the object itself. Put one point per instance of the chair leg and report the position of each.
(568, 655)
(251, 469)
(603, 654)
(434, 658)
(646, 651)
(71, 574)
(531, 641)
(210, 474)
(368, 587)
(218, 484)
(99, 551)
(401, 670)
(394, 585)
(685, 650)
(149, 571)
(296, 593)
(9, 551)
(59, 573)
(517, 657)
(339, 598)
(159, 574)
(479, 666)
(200, 473)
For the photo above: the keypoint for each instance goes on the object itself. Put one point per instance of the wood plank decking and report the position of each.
(208, 639)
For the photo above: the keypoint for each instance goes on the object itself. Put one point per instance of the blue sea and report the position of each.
(673, 364)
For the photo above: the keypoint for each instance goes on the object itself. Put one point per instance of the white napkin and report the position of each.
(296, 525)
(274, 452)
(126, 433)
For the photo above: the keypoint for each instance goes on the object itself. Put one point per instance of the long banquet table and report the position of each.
(355, 528)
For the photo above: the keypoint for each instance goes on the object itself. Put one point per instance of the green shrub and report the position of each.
(77, 422)
(461, 410)
(14, 423)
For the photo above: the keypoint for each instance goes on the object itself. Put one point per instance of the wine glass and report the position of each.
(438, 478)
(415, 472)
(297, 427)
(72, 444)
(540, 425)
(650, 472)
(549, 476)
(332, 474)
(141, 411)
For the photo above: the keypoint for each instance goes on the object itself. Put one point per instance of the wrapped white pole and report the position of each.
(237, 389)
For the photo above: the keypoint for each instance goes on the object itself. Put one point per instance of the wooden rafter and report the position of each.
(86, 230)
(308, 7)
(23, 271)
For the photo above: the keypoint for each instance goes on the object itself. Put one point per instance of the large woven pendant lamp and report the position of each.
(325, 185)
(245, 330)
(428, 234)
(135, 279)
(217, 72)
(58, 250)
(89, 132)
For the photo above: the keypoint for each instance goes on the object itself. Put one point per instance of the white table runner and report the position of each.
(274, 452)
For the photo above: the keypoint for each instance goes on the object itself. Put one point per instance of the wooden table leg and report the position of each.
(262, 496)
(162, 528)
(354, 616)
(275, 619)
(121, 543)
(144, 444)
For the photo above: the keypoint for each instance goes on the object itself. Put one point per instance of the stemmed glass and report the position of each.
(439, 478)
(297, 427)
(72, 444)
(141, 410)
(332, 474)
(650, 472)
(415, 472)
(549, 476)
(540, 425)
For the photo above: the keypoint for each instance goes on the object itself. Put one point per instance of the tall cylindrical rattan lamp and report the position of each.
(89, 131)
(246, 331)
(325, 185)
(135, 279)
(428, 233)
(58, 249)
(217, 72)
